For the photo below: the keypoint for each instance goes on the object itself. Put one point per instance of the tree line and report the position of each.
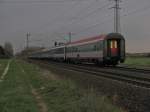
(7, 50)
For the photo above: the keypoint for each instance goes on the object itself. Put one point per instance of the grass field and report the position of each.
(27, 88)
(15, 95)
(139, 61)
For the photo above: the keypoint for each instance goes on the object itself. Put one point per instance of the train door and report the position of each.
(113, 48)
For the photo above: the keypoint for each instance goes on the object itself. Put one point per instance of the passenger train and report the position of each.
(106, 49)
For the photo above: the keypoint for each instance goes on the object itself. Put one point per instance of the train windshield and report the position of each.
(113, 44)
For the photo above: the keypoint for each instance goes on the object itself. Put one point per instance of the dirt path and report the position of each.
(5, 71)
(40, 102)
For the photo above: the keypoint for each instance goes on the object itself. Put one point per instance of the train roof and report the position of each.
(114, 35)
(97, 38)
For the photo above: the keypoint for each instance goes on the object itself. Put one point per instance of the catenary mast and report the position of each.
(117, 8)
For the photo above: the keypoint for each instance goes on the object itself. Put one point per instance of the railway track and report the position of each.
(134, 69)
(136, 77)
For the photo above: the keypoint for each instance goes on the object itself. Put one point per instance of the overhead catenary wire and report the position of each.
(123, 15)
(59, 16)
(75, 4)
(130, 13)
(83, 17)
(137, 11)
(76, 19)
(39, 1)
(89, 14)
(92, 26)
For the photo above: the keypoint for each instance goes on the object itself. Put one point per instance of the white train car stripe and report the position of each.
(94, 54)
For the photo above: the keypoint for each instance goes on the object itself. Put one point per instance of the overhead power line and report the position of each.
(39, 1)
(94, 25)
(137, 11)
(130, 13)
(77, 19)
(116, 18)
(123, 15)
(90, 13)
(75, 4)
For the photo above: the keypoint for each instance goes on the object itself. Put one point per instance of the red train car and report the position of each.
(103, 49)
(106, 49)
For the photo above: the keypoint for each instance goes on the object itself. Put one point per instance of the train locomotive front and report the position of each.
(114, 49)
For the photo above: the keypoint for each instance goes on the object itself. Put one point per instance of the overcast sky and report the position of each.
(51, 20)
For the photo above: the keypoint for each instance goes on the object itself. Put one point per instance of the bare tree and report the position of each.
(9, 49)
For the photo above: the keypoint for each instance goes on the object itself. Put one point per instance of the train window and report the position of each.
(74, 49)
(95, 48)
(113, 44)
(86, 48)
(71, 49)
(99, 45)
(68, 50)
(91, 47)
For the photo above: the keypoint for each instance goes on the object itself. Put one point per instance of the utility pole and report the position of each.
(117, 16)
(27, 41)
